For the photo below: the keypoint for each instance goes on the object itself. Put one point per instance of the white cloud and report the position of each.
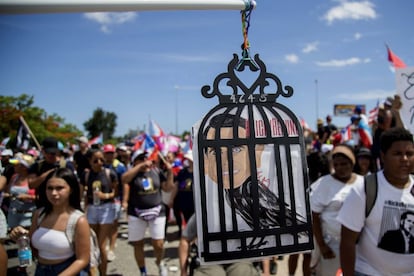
(292, 58)
(108, 19)
(351, 11)
(357, 36)
(310, 47)
(343, 62)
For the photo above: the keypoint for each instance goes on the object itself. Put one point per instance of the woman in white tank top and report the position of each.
(50, 245)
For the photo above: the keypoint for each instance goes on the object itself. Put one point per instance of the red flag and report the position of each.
(394, 59)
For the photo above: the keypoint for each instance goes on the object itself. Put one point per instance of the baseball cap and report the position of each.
(82, 139)
(364, 152)
(137, 154)
(108, 148)
(345, 151)
(320, 121)
(122, 148)
(388, 101)
(50, 145)
(7, 152)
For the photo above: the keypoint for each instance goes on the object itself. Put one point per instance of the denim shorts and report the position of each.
(101, 214)
(56, 269)
(117, 207)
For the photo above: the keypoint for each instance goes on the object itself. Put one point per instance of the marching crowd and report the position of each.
(100, 180)
(41, 190)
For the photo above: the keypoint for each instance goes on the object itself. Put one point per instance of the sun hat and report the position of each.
(24, 159)
(344, 150)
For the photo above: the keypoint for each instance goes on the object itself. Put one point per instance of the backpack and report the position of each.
(371, 188)
(95, 253)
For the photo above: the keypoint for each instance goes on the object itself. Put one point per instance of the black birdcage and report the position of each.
(252, 175)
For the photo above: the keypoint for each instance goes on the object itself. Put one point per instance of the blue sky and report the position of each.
(146, 65)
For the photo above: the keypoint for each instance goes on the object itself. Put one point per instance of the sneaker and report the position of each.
(111, 256)
(163, 270)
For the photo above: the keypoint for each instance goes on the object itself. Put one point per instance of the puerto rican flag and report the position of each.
(139, 140)
(149, 146)
(155, 130)
(346, 133)
(157, 134)
(365, 134)
(373, 114)
(96, 140)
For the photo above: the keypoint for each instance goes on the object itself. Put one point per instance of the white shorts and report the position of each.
(137, 228)
(3, 226)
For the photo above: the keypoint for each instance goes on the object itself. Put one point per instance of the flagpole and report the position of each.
(30, 132)
(162, 157)
(65, 6)
(316, 100)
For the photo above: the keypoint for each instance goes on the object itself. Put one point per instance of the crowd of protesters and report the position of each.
(108, 175)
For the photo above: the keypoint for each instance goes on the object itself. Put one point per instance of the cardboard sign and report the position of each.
(405, 88)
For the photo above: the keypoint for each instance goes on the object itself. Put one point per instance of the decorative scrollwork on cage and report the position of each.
(247, 95)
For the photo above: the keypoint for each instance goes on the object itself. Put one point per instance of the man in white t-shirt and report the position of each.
(360, 252)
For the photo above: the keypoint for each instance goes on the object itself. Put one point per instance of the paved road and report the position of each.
(125, 264)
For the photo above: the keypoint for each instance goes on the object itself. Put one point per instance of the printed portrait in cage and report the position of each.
(250, 176)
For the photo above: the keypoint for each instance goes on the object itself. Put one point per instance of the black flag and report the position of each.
(23, 137)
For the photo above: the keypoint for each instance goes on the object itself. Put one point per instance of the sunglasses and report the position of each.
(97, 160)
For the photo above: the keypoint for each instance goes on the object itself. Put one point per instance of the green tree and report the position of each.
(40, 123)
(101, 122)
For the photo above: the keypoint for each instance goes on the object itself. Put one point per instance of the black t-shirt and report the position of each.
(184, 196)
(145, 191)
(100, 179)
(82, 163)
